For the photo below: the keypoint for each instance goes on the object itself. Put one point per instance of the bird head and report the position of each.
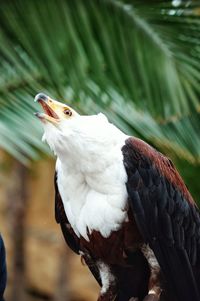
(54, 111)
(68, 132)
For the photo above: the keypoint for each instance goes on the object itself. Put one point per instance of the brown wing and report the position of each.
(166, 215)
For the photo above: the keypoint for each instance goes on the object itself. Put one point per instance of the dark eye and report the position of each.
(67, 112)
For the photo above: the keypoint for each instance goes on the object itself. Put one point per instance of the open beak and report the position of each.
(53, 110)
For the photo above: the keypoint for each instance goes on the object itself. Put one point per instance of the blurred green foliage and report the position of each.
(136, 61)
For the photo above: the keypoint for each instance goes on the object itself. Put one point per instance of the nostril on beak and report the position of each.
(41, 96)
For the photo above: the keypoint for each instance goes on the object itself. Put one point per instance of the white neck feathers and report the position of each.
(94, 191)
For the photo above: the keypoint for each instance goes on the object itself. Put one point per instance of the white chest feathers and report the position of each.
(94, 199)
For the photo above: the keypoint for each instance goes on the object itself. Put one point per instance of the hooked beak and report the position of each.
(53, 110)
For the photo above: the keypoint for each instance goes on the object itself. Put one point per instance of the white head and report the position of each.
(73, 136)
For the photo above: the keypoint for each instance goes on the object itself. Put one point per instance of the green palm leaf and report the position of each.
(137, 62)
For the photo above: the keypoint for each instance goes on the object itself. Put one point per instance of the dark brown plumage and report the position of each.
(166, 215)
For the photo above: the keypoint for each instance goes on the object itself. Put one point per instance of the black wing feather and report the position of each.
(168, 222)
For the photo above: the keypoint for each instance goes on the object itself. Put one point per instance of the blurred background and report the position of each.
(136, 61)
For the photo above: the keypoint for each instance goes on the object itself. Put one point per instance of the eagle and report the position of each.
(123, 207)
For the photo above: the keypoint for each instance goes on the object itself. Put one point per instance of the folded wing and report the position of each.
(166, 215)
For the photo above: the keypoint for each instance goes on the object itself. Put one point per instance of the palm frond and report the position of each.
(110, 56)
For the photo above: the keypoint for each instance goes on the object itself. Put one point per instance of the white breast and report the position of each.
(94, 200)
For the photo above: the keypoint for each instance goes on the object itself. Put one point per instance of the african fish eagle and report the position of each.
(123, 207)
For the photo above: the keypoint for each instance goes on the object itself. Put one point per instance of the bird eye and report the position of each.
(67, 112)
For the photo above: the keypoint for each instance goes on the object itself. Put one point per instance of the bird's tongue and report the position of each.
(48, 110)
